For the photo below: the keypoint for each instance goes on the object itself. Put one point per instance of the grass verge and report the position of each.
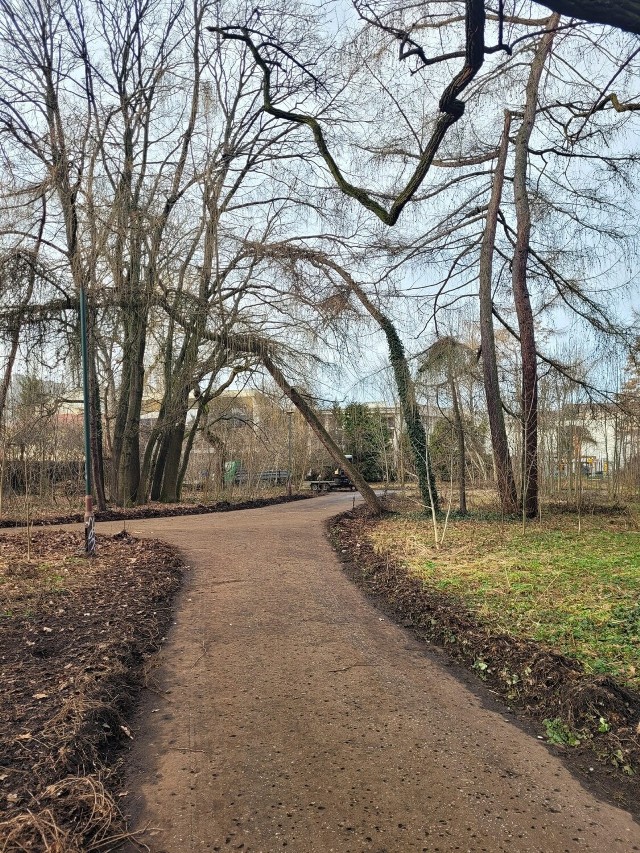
(577, 592)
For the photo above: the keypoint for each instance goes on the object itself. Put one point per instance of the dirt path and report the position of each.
(290, 714)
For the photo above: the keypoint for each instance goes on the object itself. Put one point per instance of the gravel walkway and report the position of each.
(288, 713)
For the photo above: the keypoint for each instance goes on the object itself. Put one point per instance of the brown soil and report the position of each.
(282, 712)
(546, 686)
(157, 510)
(75, 636)
(290, 713)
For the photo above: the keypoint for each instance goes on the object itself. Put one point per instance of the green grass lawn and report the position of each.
(578, 592)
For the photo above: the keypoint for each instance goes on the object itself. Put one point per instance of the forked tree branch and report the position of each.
(450, 106)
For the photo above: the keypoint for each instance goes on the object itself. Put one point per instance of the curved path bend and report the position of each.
(288, 714)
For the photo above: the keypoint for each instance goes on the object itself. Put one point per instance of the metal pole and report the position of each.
(89, 518)
(289, 471)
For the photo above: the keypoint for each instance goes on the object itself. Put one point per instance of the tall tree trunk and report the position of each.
(169, 492)
(179, 376)
(459, 425)
(522, 299)
(150, 455)
(159, 463)
(14, 342)
(186, 453)
(95, 418)
(129, 462)
(499, 443)
(139, 282)
(119, 423)
(404, 385)
(203, 401)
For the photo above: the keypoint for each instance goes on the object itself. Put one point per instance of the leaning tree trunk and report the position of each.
(203, 401)
(14, 343)
(15, 329)
(370, 497)
(413, 421)
(624, 14)
(522, 299)
(501, 456)
(406, 394)
(402, 374)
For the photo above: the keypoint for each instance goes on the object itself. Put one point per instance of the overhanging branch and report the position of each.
(450, 106)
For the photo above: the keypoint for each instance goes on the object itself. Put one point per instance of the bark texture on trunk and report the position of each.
(406, 392)
(411, 414)
(188, 446)
(13, 344)
(95, 418)
(624, 14)
(459, 425)
(521, 296)
(128, 470)
(169, 491)
(499, 443)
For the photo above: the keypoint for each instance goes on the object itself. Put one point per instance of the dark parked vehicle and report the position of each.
(339, 482)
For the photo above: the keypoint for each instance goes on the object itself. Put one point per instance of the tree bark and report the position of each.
(14, 343)
(457, 420)
(500, 445)
(522, 299)
(129, 462)
(169, 492)
(95, 419)
(403, 380)
(186, 453)
(406, 393)
(624, 14)
(150, 456)
(160, 458)
(138, 283)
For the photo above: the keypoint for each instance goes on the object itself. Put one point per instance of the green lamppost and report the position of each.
(89, 517)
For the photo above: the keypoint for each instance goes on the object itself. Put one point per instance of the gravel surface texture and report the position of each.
(287, 712)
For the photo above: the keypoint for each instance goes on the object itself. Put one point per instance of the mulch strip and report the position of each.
(536, 682)
(156, 511)
(73, 656)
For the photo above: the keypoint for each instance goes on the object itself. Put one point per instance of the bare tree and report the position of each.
(521, 295)
(451, 358)
(501, 454)
(267, 54)
(290, 256)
